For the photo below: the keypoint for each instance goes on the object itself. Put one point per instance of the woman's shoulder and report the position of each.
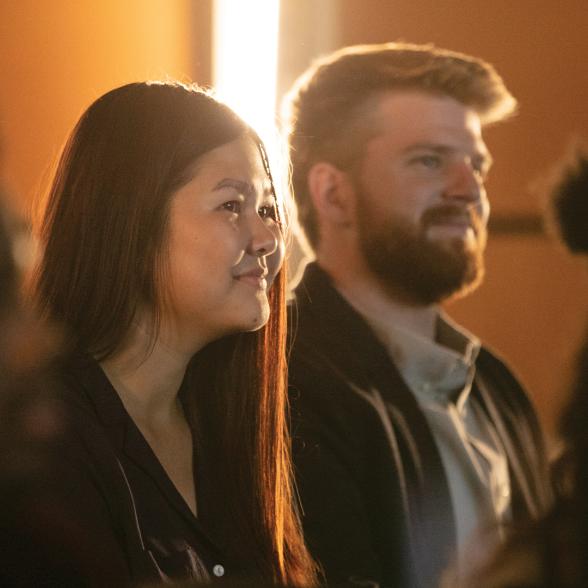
(84, 442)
(87, 395)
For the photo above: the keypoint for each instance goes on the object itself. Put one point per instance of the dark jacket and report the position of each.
(375, 498)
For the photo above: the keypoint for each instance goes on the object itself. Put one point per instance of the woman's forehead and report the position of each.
(241, 158)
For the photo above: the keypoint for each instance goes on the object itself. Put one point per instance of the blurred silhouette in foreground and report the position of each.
(42, 540)
(552, 552)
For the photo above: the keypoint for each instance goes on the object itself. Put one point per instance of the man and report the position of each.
(408, 434)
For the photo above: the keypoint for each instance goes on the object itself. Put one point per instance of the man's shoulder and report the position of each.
(321, 322)
(327, 371)
(505, 388)
(491, 364)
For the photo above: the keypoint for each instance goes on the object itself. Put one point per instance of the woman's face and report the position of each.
(225, 245)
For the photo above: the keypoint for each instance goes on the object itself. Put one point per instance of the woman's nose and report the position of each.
(264, 237)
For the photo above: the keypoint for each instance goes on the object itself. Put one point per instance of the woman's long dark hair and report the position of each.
(103, 231)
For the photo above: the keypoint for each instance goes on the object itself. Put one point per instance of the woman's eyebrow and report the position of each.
(241, 186)
(245, 188)
(268, 191)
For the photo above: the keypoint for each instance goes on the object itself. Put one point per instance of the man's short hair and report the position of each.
(326, 108)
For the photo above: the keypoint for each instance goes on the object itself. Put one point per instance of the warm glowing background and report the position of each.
(56, 57)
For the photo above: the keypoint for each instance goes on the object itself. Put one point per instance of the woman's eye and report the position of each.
(268, 211)
(232, 206)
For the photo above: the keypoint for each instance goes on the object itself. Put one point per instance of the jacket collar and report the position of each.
(326, 321)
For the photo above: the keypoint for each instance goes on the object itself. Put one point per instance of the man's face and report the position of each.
(421, 204)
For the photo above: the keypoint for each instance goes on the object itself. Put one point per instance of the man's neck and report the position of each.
(383, 311)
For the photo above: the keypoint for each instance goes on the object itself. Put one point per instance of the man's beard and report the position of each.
(414, 268)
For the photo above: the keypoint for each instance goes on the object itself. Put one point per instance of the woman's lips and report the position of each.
(256, 278)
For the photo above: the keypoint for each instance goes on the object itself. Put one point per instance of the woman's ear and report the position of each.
(332, 192)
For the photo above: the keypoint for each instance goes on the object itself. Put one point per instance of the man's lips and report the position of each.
(448, 219)
(453, 222)
(452, 229)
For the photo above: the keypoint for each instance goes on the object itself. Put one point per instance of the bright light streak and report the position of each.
(245, 60)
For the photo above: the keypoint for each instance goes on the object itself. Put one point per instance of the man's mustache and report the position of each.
(451, 213)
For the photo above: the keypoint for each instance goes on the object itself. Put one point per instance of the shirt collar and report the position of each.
(438, 370)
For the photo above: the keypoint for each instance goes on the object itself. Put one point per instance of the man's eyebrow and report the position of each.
(484, 157)
(437, 147)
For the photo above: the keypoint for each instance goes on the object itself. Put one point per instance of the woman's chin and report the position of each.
(259, 319)
(251, 319)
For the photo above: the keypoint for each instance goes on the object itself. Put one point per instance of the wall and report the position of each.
(56, 57)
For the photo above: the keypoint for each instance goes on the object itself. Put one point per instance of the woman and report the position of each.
(161, 253)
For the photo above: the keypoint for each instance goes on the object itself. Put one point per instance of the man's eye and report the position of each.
(429, 161)
(268, 211)
(232, 206)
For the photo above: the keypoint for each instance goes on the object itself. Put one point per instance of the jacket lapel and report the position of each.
(520, 445)
(334, 333)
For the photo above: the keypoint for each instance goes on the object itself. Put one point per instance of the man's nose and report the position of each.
(464, 182)
(263, 237)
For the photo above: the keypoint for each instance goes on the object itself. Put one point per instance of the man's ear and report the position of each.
(331, 191)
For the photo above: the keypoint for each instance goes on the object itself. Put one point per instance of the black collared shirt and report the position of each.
(120, 477)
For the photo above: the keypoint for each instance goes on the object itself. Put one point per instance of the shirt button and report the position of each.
(218, 570)
(505, 491)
